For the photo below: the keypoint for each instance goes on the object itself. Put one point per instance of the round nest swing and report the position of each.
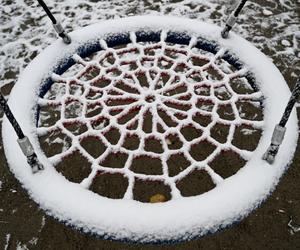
(150, 129)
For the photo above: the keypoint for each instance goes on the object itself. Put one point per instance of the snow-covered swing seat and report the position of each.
(162, 107)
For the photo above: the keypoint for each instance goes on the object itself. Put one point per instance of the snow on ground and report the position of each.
(7, 241)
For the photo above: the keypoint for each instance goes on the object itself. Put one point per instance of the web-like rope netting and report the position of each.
(152, 112)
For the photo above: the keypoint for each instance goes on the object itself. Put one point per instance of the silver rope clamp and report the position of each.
(61, 32)
(231, 20)
(229, 25)
(26, 146)
(28, 151)
(276, 141)
(278, 135)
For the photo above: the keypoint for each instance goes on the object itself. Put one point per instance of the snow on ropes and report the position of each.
(150, 109)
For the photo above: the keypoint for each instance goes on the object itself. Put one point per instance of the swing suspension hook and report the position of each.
(279, 131)
(56, 25)
(23, 140)
(232, 19)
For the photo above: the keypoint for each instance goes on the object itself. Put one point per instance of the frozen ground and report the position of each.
(273, 27)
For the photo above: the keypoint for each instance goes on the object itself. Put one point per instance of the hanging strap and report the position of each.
(232, 19)
(23, 140)
(56, 25)
(279, 131)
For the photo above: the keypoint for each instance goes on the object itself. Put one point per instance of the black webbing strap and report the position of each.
(11, 117)
(292, 101)
(48, 12)
(23, 140)
(279, 131)
(239, 8)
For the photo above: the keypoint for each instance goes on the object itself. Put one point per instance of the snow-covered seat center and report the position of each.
(155, 117)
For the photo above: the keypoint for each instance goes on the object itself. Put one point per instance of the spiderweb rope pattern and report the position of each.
(175, 85)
